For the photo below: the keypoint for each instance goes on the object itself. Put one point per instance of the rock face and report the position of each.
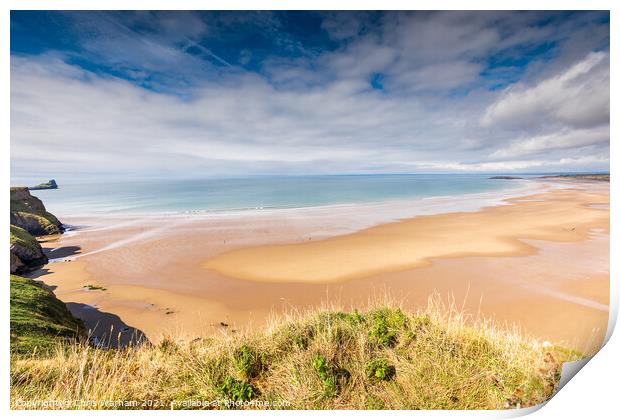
(49, 185)
(26, 253)
(17, 266)
(29, 213)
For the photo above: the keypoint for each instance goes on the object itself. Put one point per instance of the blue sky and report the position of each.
(116, 94)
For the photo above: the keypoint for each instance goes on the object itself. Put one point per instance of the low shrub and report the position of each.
(380, 369)
(237, 390)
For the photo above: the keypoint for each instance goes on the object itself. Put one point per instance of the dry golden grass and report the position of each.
(384, 358)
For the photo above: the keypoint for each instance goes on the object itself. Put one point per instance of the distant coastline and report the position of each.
(580, 177)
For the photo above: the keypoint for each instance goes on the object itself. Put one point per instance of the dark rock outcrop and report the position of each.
(17, 266)
(26, 253)
(49, 185)
(29, 213)
(505, 177)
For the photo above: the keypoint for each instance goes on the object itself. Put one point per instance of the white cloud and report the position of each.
(567, 139)
(68, 120)
(108, 125)
(448, 75)
(519, 165)
(577, 97)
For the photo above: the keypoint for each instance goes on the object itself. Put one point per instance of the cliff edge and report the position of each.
(29, 213)
(39, 321)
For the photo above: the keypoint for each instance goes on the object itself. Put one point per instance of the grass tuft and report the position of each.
(385, 325)
(94, 287)
(380, 369)
(248, 361)
(236, 390)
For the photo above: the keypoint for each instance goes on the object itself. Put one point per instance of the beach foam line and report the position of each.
(151, 233)
(127, 223)
(571, 298)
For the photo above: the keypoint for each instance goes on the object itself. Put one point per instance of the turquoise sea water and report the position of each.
(177, 196)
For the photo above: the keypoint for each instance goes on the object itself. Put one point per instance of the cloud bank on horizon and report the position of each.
(189, 94)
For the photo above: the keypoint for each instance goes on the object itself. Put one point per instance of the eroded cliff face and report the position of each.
(29, 213)
(17, 266)
(26, 253)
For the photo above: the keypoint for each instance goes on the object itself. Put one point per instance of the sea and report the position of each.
(260, 193)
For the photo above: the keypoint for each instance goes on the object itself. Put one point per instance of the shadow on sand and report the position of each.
(40, 272)
(105, 329)
(61, 252)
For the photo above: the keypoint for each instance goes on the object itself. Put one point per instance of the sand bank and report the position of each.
(497, 231)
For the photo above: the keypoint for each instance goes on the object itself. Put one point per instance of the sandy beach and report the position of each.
(539, 259)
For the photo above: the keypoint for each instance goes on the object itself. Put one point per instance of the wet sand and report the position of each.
(540, 261)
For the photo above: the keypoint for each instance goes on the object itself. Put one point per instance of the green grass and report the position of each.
(237, 390)
(94, 287)
(38, 319)
(46, 222)
(385, 326)
(384, 358)
(327, 373)
(21, 237)
(248, 361)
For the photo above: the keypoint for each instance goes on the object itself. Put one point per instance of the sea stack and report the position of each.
(49, 185)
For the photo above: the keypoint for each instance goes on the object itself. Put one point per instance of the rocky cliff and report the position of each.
(39, 321)
(26, 253)
(29, 213)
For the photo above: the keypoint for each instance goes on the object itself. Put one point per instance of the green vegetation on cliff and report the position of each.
(22, 238)
(385, 358)
(29, 213)
(26, 253)
(39, 321)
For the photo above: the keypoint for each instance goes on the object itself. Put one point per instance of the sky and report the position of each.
(117, 95)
